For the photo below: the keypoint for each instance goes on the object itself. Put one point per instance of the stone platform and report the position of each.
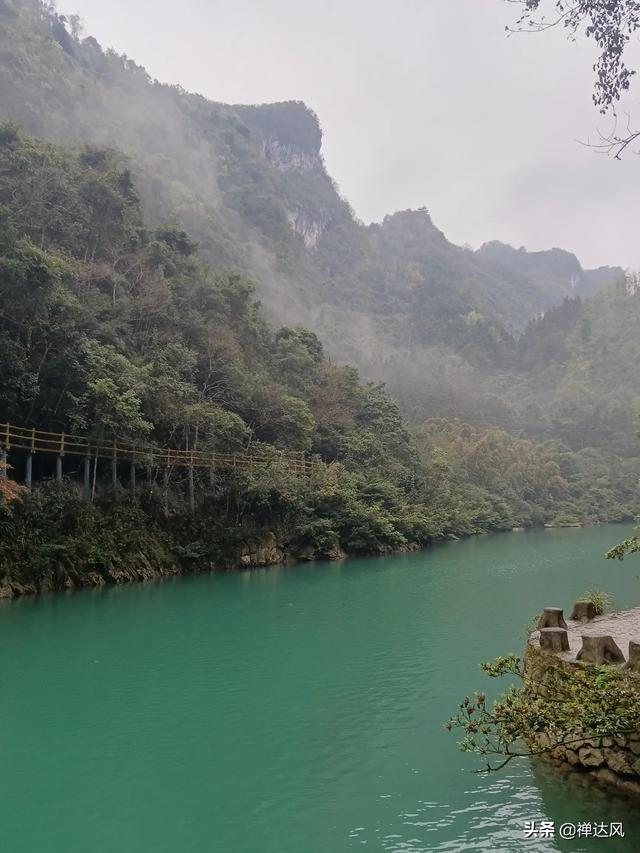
(622, 627)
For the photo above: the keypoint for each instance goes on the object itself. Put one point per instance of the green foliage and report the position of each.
(432, 319)
(622, 549)
(319, 535)
(131, 335)
(112, 321)
(560, 708)
(53, 534)
(611, 27)
(114, 390)
(503, 481)
(601, 600)
(292, 123)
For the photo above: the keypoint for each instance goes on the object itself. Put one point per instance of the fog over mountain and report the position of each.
(289, 282)
(181, 270)
(494, 155)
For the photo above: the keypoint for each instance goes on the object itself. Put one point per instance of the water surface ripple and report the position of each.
(296, 710)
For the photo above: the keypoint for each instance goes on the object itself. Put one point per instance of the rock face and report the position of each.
(266, 552)
(308, 554)
(289, 158)
(138, 568)
(309, 229)
(590, 757)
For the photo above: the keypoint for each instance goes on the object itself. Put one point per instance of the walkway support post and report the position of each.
(114, 469)
(4, 452)
(192, 491)
(132, 479)
(86, 486)
(28, 479)
(59, 459)
(165, 489)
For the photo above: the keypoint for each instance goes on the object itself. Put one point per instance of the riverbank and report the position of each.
(298, 708)
(139, 568)
(148, 553)
(612, 757)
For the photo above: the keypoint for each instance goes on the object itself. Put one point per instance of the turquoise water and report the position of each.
(295, 710)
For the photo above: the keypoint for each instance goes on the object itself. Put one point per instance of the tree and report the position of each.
(10, 491)
(113, 393)
(610, 25)
(557, 710)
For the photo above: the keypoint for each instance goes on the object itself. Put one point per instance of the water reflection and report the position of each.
(572, 797)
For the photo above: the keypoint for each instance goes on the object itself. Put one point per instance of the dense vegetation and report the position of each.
(555, 708)
(397, 299)
(441, 324)
(108, 327)
(129, 247)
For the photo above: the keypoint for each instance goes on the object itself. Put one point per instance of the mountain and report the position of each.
(116, 329)
(133, 216)
(454, 332)
(250, 186)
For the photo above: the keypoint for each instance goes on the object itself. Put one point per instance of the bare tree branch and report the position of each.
(611, 25)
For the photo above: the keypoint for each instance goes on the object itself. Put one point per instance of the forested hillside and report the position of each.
(111, 327)
(153, 244)
(249, 184)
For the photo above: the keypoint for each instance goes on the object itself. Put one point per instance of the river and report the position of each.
(292, 710)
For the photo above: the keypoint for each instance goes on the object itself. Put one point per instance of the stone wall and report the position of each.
(614, 761)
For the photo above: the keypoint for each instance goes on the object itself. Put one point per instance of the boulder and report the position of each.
(590, 757)
(572, 757)
(619, 761)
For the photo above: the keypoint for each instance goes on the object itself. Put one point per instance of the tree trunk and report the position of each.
(583, 611)
(633, 664)
(95, 477)
(554, 640)
(552, 617)
(599, 650)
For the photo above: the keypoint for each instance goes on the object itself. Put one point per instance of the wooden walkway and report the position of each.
(62, 444)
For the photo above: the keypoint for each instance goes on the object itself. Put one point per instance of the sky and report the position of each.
(422, 103)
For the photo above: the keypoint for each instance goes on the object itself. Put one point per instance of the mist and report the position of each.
(421, 104)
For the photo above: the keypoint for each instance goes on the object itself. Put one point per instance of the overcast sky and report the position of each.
(422, 102)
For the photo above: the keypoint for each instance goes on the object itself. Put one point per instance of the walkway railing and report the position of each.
(63, 444)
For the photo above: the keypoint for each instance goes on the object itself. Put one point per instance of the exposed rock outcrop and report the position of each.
(309, 229)
(289, 158)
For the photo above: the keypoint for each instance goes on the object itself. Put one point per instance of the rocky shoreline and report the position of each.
(612, 761)
(267, 552)
(140, 569)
